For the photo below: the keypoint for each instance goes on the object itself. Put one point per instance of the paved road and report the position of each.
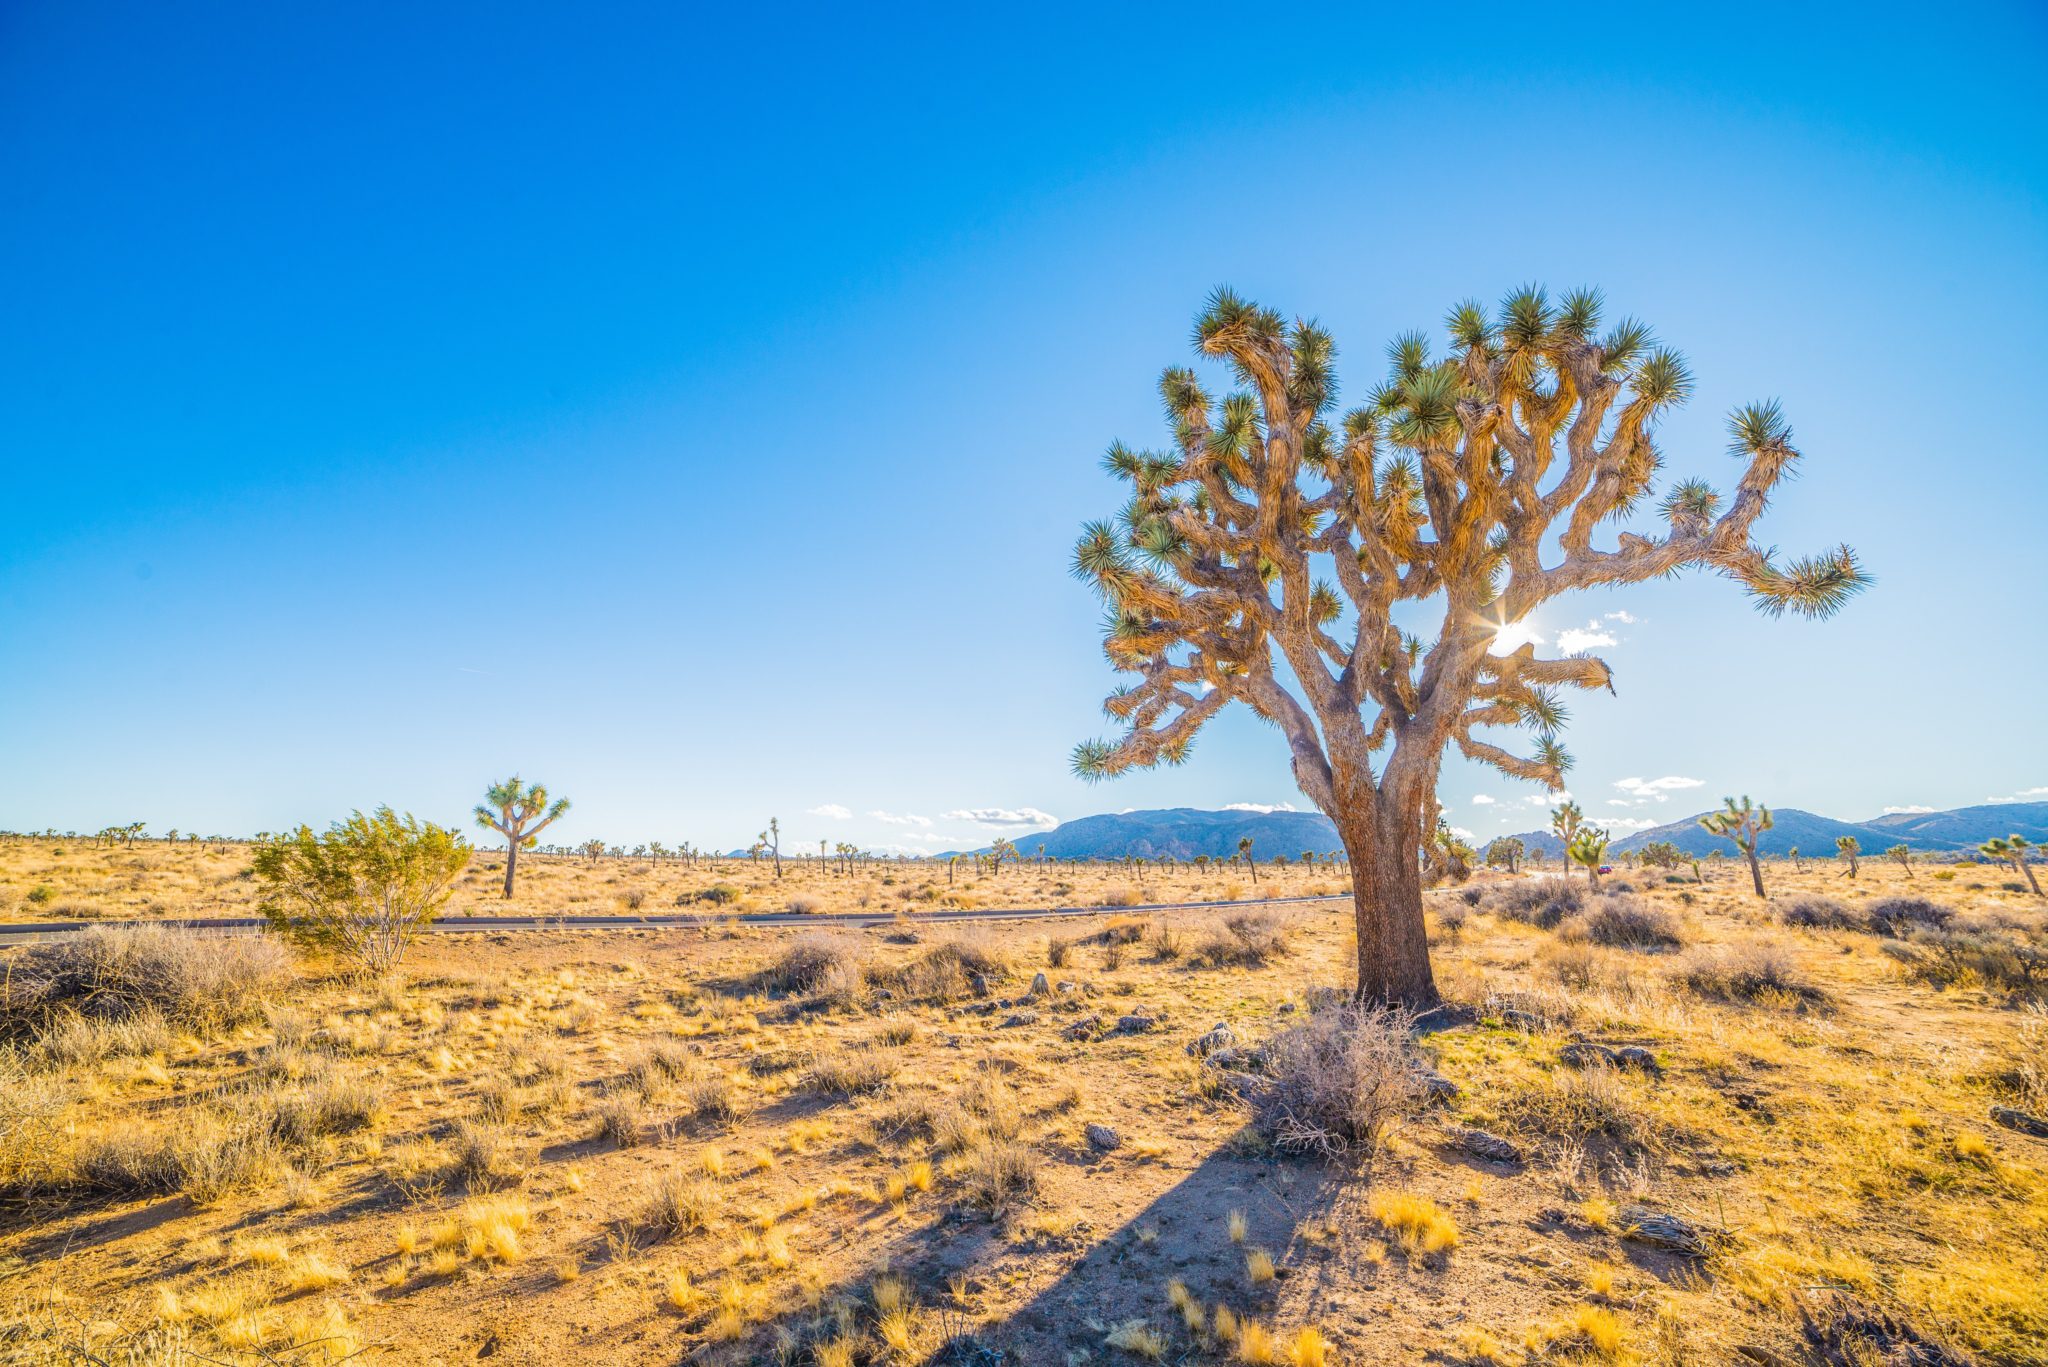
(29, 932)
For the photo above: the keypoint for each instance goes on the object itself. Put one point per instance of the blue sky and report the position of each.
(695, 410)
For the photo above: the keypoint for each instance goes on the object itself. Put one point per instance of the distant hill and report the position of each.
(1961, 830)
(1183, 833)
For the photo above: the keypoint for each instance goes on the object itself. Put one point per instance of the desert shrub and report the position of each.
(946, 970)
(1168, 943)
(675, 1205)
(997, 1174)
(1539, 902)
(718, 895)
(2020, 1076)
(1897, 915)
(1821, 913)
(715, 1101)
(1337, 1083)
(1755, 972)
(620, 1114)
(363, 890)
(482, 1155)
(1123, 897)
(1056, 951)
(187, 978)
(201, 1154)
(31, 1125)
(803, 904)
(339, 1101)
(1246, 939)
(1572, 964)
(657, 1064)
(1121, 930)
(72, 1040)
(1586, 1107)
(1950, 958)
(812, 962)
(846, 1073)
(1625, 923)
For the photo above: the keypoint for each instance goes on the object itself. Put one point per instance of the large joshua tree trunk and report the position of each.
(511, 866)
(1386, 905)
(1756, 873)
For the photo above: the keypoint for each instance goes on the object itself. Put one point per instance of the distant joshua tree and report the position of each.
(998, 852)
(593, 850)
(1471, 485)
(1589, 848)
(1244, 852)
(1904, 856)
(519, 812)
(1564, 824)
(1742, 824)
(1798, 864)
(771, 844)
(1505, 852)
(2013, 850)
(1847, 847)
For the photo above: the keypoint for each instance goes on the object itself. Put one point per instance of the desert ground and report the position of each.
(1659, 1123)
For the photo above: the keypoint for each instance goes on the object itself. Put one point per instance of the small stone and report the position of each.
(979, 982)
(1492, 1147)
(1083, 1028)
(1017, 1018)
(1659, 1230)
(1587, 1056)
(1288, 1008)
(1039, 986)
(2021, 1121)
(1518, 1019)
(1222, 1037)
(1635, 1056)
(1069, 986)
(1103, 1137)
(1137, 1023)
(1437, 1087)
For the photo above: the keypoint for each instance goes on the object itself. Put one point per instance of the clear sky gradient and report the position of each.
(694, 407)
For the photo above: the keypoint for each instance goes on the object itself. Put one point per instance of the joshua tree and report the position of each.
(998, 852)
(1741, 824)
(1661, 854)
(1244, 852)
(519, 812)
(2013, 850)
(1846, 847)
(1797, 863)
(770, 844)
(1506, 853)
(593, 850)
(1904, 856)
(1448, 487)
(1589, 847)
(1564, 824)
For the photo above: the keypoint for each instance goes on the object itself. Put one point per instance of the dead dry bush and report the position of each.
(1898, 915)
(1337, 1083)
(1541, 902)
(1245, 939)
(1622, 922)
(1756, 973)
(1592, 1108)
(1976, 956)
(31, 1128)
(1822, 913)
(824, 967)
(188, 978)
(947, 970)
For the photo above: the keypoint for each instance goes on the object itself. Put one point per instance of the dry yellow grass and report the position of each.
(785, 1207)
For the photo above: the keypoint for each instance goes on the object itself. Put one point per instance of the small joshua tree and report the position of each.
(364, 889)
(519, 812)
(999, 851)
(1904, 856)
(1798, 864)
(771, 844)
(1505, 852)
(1741, 824)
(1469, 487)
(1589, 848)
(1244, 852)
(2012, 850)
(1847, 847)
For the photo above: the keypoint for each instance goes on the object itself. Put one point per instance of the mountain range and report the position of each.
(1184, 832)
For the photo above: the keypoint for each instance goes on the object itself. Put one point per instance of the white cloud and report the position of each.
(1560, 797)
(1463, 834)
(831, 809)
(1657, 789)
(1482, 801)
(1003, 816)
(906, 819)
(1579, 640)
(1624, 617)
(1259, 807)
(1902, 811)
(1629, 823)
(2023, 795)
